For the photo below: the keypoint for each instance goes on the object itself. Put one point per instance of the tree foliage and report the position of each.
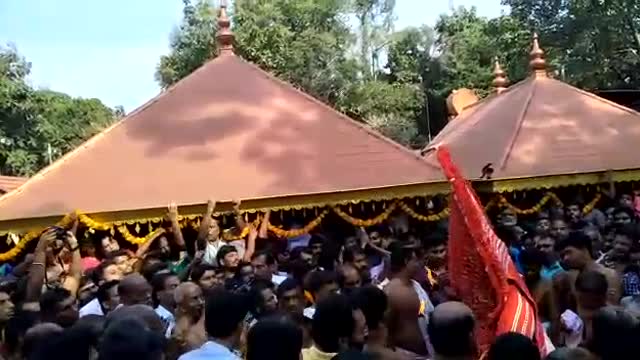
(397, 81)
(38, 126)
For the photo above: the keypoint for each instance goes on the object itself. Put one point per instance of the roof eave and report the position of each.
(289, 202)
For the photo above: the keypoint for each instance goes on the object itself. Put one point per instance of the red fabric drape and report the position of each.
(481, 269)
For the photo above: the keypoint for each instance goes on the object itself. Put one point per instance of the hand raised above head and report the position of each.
(71, 240)
(211, 206)
(172, 211)
(236, 205)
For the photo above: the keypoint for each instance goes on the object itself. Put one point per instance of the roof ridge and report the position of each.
(599, 98)
(519, 122)
(432, 145)
(95, 138)
(346, 118)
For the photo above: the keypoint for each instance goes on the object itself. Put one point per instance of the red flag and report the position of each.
(481, 270)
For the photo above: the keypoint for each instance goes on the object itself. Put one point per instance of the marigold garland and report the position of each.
(138, 240)
(194, 221)
(28, 237)
(535, 209)
(366, 223)
(590, 206)
(425, 218)
(297, 232)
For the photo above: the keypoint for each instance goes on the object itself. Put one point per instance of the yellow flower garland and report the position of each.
(428, 218)
(297, 232)
(138, 240)
(193, 221)
(365, 223)
(590, 206)
(27, 238)
(536, 208)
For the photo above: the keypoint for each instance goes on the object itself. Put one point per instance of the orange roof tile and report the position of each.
(8, 183)
(227, 131)
(541, 127)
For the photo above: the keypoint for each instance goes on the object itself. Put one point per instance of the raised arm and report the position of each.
(240, 223)
(172, 215)
(38, 268)
(144, 247)
(263, 233)
(205, 224)
(72, 281)
(251, 243)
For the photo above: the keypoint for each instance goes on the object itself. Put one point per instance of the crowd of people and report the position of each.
(376, 293)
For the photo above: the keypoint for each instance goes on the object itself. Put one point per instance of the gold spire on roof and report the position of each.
(537, 64)
(224, 35)
(500, 80)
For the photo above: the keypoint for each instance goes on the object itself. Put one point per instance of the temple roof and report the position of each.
(8, 183)
(228, 131)
(541, 127)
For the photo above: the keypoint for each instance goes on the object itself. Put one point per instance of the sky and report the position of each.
(109, 49)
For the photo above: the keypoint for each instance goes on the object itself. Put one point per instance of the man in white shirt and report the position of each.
(163, 286)
(107, 299)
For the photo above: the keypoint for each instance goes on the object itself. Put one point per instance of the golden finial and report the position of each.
(537, 64)
(224, 35)
(500, 80)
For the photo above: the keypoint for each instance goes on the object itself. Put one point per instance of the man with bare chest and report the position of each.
(409, 304)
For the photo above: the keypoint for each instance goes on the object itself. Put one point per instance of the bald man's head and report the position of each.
(144, 314)
(451, 330)
(134, 289)
(36, 337)
(189, 299)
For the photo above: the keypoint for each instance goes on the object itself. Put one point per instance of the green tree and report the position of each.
(38, 126)
(192, 43)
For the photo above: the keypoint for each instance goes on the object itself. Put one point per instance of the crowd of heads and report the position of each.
(349, 293)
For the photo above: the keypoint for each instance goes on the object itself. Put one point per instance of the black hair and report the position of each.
(451, 336)
(628, 230)
(373, 303)
(150, 267)
(513, 345)
(130, 339)
(615, 334)
(97, 274)
(288, 285)
(349, 254)
(532, 257)
(224, 251)
(224, 312)
(507, 234)
(263, 337)
(592, 282)
(157, 285)
(316, 239)
(318, 279)
(103, 290)
(434, 239)
(16, 328)
(114, 254)
(328, 256)
(75, 343)
(198, 271)
(257, 287)
(576, 239)
(625, 210)
(400, 256)
(570, 354)
(332, 322)
(268, 257)
(352, 354)
(50, 299)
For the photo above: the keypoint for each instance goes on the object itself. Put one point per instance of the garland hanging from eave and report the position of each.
(193, 221)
